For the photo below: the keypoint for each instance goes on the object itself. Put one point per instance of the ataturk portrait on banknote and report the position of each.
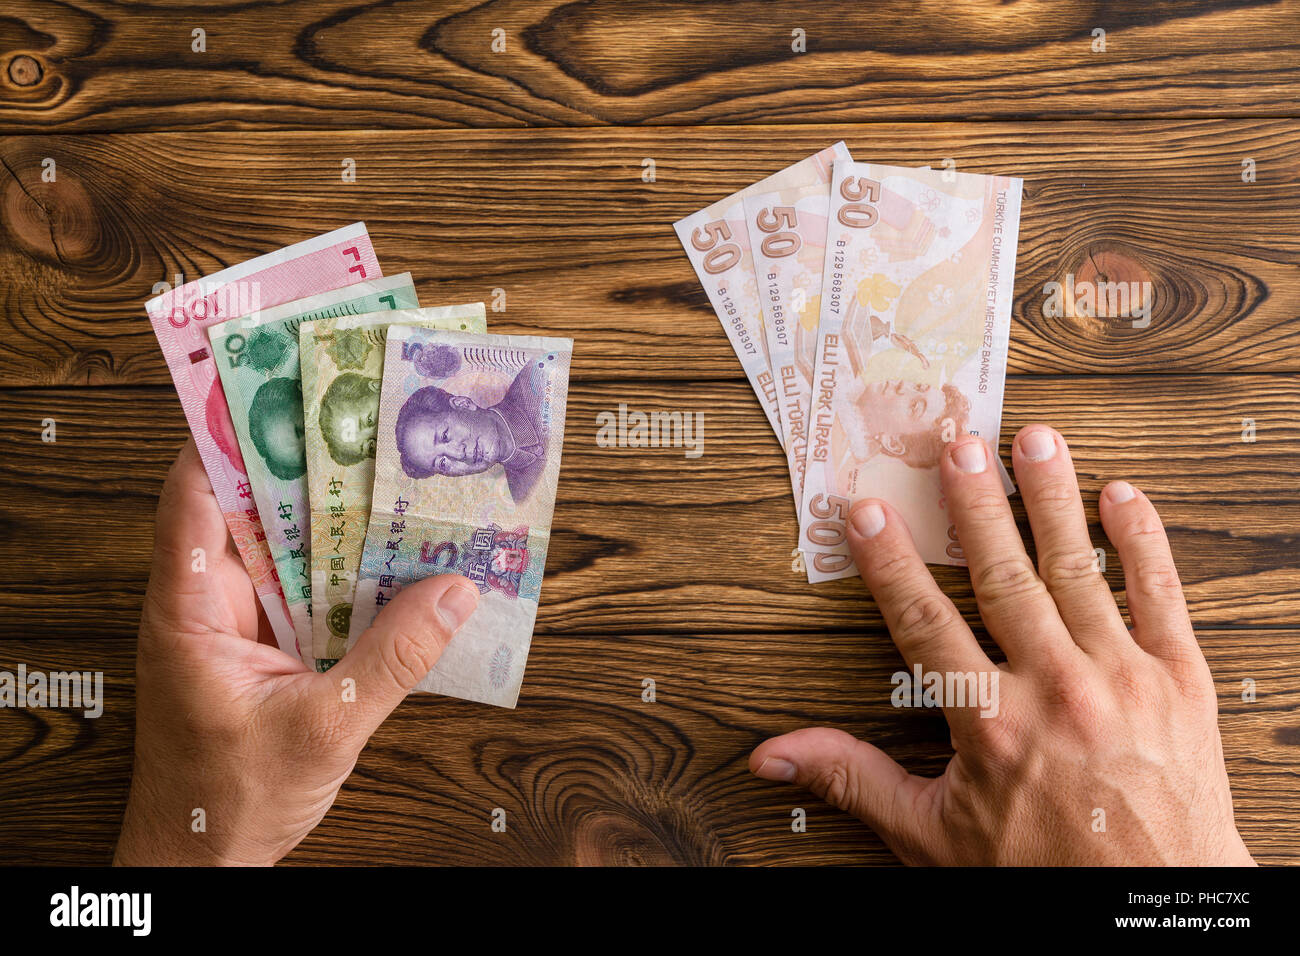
(907, 420)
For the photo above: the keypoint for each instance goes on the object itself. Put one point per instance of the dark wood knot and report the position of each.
(612, 839)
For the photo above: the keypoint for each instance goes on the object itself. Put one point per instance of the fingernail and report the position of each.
(868, 520)
(457, 604)
(970, 457)
(1038, 444)
(1118, 492)
(774, 768)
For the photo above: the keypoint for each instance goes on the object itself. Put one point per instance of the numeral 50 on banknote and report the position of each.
(717, 258)
(861, 192)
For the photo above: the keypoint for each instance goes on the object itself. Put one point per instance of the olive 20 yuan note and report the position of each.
(257, 357)
(912, 348)
(716, 240)
(470, 433)
(180, 318)
(342, 367)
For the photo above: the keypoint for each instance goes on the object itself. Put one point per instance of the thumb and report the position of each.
(855, 777)
(403, 644)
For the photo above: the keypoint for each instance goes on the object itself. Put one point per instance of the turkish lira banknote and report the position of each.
(180, 318)
(912, 347)
(470, 433)
(257, 358)
(342, 367)
(787, 234)
(717, 241)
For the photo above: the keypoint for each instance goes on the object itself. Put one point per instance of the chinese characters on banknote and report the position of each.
(357, 442)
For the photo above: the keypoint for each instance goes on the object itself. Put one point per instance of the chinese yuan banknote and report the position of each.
(470, 433)
(342, 368)
(912, 347)
(716, 240)
(787, 234)
(257, 358)
(180, 318)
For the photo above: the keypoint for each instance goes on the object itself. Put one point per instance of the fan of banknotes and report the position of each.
(870, 307)
(357, 443)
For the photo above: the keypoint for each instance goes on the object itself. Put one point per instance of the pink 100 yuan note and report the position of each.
(180, 319)
(912, 348)
(717, 241)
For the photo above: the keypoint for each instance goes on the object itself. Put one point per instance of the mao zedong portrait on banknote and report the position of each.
(445, 434)
(470, 434)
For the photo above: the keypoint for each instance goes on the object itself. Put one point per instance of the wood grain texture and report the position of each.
(563, 223)
(103, 66)
(522, 171)
(589, 773)
(647, 541)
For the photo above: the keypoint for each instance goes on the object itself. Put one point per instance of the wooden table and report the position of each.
(522, 170)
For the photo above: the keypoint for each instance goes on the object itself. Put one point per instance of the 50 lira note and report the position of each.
(257, 358)
(716, 240)
(180, 318)
(470, 433)
(912, 347)
(787, 232)
(342, 369)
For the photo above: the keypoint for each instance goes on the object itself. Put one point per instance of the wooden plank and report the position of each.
(590, 773)
(93, 65)
(647, 540)
(562, 222)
